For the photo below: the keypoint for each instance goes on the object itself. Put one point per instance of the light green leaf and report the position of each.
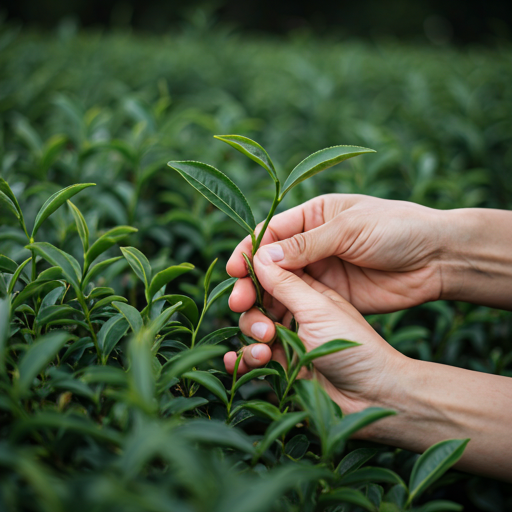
(279, 428)
(100, 291)
(55, 201)
(210, 382)
(347, 495)
(107, 300)
(219, 290)
(51, 313)
(6, 191)
(69, 266)
(320, 161)
(219, 336)
(7, 265)
(327, 348)
(139, 264)
(208, 277)
(111, 332)
(166, 276)
(131, 314)
(219, 190)
(292, 339)
(16, 275)
(81, 226)
(98, 268)
(163, 318)
(187, 307)
(9, 204)
(251, 149)
(30, 290)
(142, 376)
(38, 356)
(105, 242)
(431, 465)
(253, 374)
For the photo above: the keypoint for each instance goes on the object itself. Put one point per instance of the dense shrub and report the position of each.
(103, 404)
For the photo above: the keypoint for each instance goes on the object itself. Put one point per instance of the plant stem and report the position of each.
(235, 371)
(196, 330)
(275, 204)
(34, 272)
(290, 384)
(91, 328)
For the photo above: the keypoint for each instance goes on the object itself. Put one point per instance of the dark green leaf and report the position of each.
(297, 446)
(187, 307)
(166, 276)
(81, 226)
(181, 404)
(219, 290)
(253, 374)
(31, 290)
(105, 242)
(111, 332)
(327, 348)
(161, 320)
(347, 495)
(320, 161)
(6, 191)
(355, 459)
(208, 277)
(370, 474)
(38, 356)
(51, 313)
(98, 268)
(219, 190)
(7, 265)
(55, 201)
(431, 465)
(210, 382)
(100, 291)
(139, 264)
(5, 318)
(53, 297)
(6, 202)
(440, 506)
(106, 301)
(16, 275)
(219, 336)
(131, 314)
(291, 339)
(142, 376)
(260, 408)
(251, 149)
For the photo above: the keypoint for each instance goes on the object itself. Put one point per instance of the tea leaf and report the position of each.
(181, 404)
(253, 374)
(292, 339)
(187, 307)
(9, 204)
(369, 475)
(98, 268)
(440, 506)
(131, 314)
(7, 195)
(208, 277)
(139, 264)
(166, 276)
(141, 374)
(260, 408)
(16, 275)
(107, 300)
(327, 348)
(355, 459)
(433, 464)
(37, 358)
(5, 319)
(218, 189)
(297, 446)
(105, 242)
(347, 495)
(111, 332)
(210, 382)
(219, 336)
(31, 290)
(320, 161)
(7, 265)
(251, 149)
(220, 290)
(55, 202)
(69, 266)
(51, 313)
(81, 226)
(161, 320)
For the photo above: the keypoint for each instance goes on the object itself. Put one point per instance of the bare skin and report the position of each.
(334, 258)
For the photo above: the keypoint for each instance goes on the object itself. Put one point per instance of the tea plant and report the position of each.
(101, 398)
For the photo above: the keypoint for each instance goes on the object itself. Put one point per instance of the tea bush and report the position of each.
(113, 317)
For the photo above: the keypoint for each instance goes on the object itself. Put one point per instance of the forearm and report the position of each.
(476, 258)
(437, 402)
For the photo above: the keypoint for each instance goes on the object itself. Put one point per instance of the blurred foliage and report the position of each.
(112, 109)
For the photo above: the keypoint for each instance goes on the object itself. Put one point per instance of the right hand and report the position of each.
(379, 255)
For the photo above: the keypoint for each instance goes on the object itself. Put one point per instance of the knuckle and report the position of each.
(297, 244)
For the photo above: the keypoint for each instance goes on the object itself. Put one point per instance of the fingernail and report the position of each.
(259, 329)
(276, 252)
(257, 350)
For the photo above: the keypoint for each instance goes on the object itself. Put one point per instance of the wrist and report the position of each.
(476, 256)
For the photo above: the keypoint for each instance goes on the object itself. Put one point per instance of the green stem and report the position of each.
(275, 204)
(196, 330)
(235, 371)
(34, 272)
(290, 384)
(91, 328)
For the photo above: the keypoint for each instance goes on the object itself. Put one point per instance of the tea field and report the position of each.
(106, 403)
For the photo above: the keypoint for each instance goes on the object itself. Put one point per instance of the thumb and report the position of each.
(308, 247)
(289, 289)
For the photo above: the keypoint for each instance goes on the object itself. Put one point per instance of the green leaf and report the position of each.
(219, 336)
(219, 190)
(431, 465)
(51, 313)
(107, 300)
(5, 320)
(371, 475)
(163, 318)
(251, 149)
(142, 376)
(253, 374)
(208, 277)
(69, 266)
(37, 358)
(51, 274)
(320, 161)
(166, 276)
(259, 408)
(98, 268)
(16, 275)
(210, 382)
(7, 265)
(279, 428)
(185, 361)
(297, 446)
(100, 291)
(292, 339)
(327, 348)
(52, 297)
(440, 506)
(55, 201)
(81, 226)
(187, 307)
(9, 204)
(105, 242)
(351, 423)
(30, 290)
(131, 314)
(139, 264)
(8, 194)
(347, 495)
(220, 290)
(111, 332)
(181, 404)
(355, 459)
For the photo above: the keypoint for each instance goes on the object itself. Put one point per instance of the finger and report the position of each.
(258, 326)
(243, 295)
(256, 355)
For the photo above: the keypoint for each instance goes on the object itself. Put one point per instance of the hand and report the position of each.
(354, 378)
(379, 255)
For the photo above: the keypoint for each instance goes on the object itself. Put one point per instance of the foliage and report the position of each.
(113, 394)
